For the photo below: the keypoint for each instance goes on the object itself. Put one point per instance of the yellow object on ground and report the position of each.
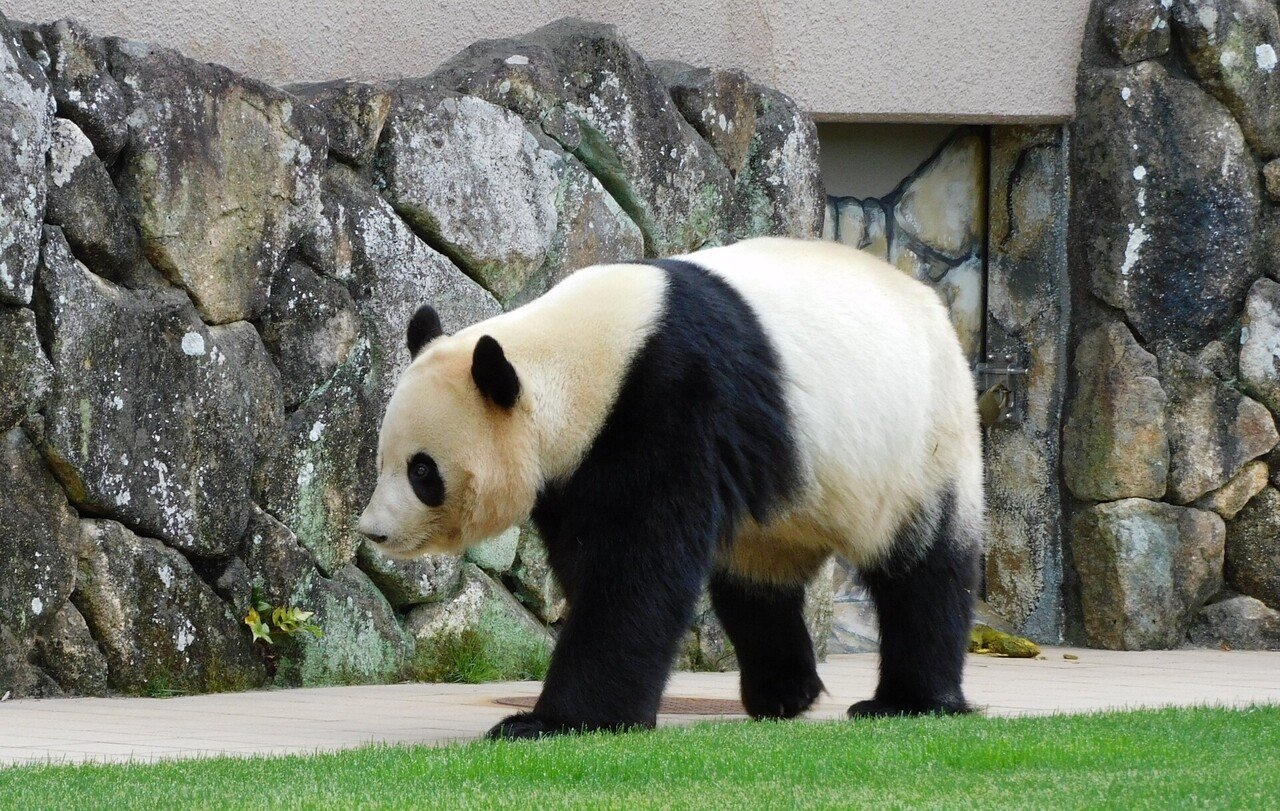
(987, 640)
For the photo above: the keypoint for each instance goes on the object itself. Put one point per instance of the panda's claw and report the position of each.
(521, 726)
(781, 697)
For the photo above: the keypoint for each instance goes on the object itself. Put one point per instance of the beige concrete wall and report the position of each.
(864, 60)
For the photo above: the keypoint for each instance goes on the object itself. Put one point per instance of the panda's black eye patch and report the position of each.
(424, 478)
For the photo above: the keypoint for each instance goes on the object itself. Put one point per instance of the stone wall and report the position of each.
(204, 283)
(1169, 442)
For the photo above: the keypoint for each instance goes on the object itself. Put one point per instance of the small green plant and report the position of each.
(264, 619)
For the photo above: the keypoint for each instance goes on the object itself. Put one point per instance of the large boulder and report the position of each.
(25, 373)
(389, 272)
(1231, 47)
(532, 580)
(482, 604)
(1213, 429)
(83, 86)
(1253, 548)
(1161, 174)
(155, 419)
(1145, 569)
(598, 98)
(83, 201)
(768, 144)
(221, 172)
(38, 542)
(1237, 623)
(160, 626)
(1137, 29)
(362, 640)
(26, 108)
(67, 651)
(941, 208)
(406, 583)
(1260, 343)
(353, 116)
(1115, 444)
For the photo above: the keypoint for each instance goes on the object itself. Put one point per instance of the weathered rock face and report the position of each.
(161, 627)
(1162, 176)
(406, 583)
(154, 417)
(1115, 444)
(1213, 430)
(1237, 623)
(363, 640)
(1145, 569)
(221, 173)
(83, 86)
(38, 542)
(67, 651)
(1137, 29)
(854, 626)
(932, 210)
(1231, 46)
(1253, 553)
(1260, 343)
(354, 114)
(768, 145)
(481, 601)
(534, 584)
(23, 367)
(85, 204)
(1231, 497)
(26, 107)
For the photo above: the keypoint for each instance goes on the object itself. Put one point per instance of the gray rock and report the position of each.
(26, 107)
(962, 290)
(1162, 175)
(83, 86)
(829, 219)
(25, 373)
(481, 604)
(321, 469)
(1253, 554)
(1145, 570)
(68, 653)
(354, 114)
(38, 540)
(496, 555)
(222, 174)
(876, 242)
(1115, 444)
(1231, 47)
(83, 201)
(160, 626)
(472, 177)
(1221, 358)
(941, 206)
(1213, 429)
(362, 640)
(533, 582)
(1271, 179)
(1260, 343)
(1237, 623)
(1137, 29)
(768, 144)
(155, 419)
(389, 272)
(406, 583)
(1231, 497)
(850, 223)
(309, 328)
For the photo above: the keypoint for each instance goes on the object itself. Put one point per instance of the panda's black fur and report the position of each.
(699, 439)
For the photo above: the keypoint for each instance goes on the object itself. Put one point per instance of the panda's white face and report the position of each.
(454, 466)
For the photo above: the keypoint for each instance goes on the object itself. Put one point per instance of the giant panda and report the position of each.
(732, 417)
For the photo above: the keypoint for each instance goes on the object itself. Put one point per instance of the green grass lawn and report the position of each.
(1153, 759)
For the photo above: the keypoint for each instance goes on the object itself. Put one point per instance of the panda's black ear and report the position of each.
(424, 328)
(493, 373)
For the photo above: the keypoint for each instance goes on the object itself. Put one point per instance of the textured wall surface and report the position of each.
(204, 286)
(980, 60)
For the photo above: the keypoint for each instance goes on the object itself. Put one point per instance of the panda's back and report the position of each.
(880, 394)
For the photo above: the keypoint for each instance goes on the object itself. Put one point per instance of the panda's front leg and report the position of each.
(630, 605)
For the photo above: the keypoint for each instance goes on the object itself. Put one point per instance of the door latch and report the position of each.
(1003, 387)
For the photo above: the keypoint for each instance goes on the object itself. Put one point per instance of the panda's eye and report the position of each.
(424, 478)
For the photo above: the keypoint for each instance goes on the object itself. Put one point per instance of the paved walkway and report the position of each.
(289, 721)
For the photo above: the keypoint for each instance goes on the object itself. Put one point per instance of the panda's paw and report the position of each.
(778, 696)
(521, 726)
(877, 708)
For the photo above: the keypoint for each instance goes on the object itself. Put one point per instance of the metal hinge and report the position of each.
(1003, 387)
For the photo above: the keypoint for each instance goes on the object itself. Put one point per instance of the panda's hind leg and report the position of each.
(766, 625)
(924, 595)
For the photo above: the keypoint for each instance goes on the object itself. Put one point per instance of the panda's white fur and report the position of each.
(881, 398)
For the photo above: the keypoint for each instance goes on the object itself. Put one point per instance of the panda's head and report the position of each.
(456, 455)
